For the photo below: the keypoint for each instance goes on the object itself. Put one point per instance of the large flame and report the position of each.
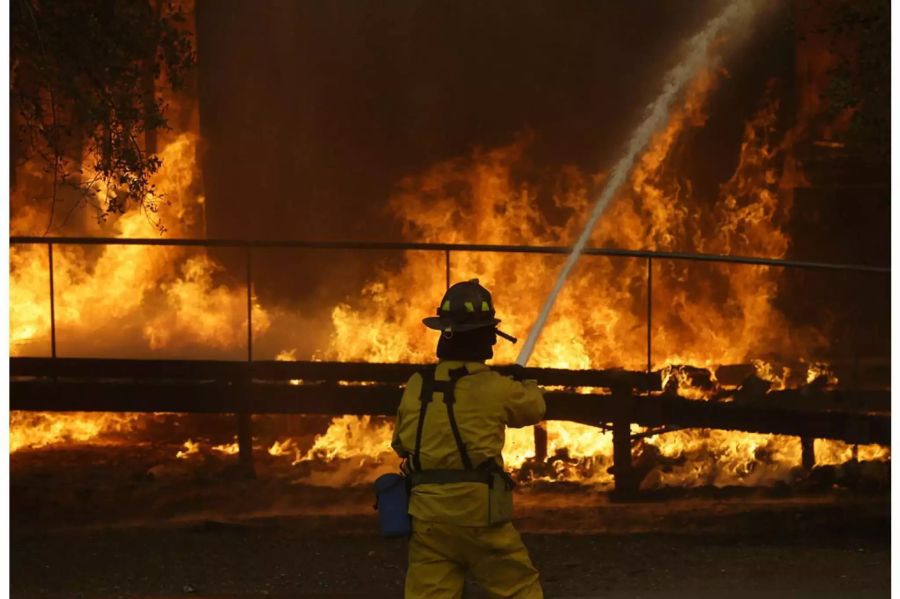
(125, 300)
(137, 301)
(703, 315)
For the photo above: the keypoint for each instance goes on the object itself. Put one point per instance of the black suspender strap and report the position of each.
(449, 389)
(425, 398)
(485, 471)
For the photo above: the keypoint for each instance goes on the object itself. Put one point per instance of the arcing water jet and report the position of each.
(657, 114)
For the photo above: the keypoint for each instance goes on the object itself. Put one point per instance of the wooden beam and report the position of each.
(773, 416)
(210, 370)
(199, 370)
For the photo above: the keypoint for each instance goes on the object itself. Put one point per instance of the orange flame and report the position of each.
(598, 320)
(143, 299)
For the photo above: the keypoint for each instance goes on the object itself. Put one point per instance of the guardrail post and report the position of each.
(244, 414)
(649, 311)
(808, 452)
(626, 480)
(808, 444)
(52, 303)
(540, 441)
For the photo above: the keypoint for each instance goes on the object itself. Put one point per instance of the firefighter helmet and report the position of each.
(464, 307)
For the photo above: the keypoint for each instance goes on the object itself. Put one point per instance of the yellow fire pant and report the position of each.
(440, 555)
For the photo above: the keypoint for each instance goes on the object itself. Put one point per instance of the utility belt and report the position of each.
(481, 474)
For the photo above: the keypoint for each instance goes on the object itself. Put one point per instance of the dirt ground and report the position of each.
(110, 531)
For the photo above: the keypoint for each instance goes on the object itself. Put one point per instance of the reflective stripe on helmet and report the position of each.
(464, 306)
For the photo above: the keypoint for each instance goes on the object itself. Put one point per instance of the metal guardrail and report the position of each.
(623, 411)
(446, 248)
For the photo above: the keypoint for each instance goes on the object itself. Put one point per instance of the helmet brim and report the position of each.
(440, 324)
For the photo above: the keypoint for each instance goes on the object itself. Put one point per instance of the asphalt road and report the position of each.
(729, 549)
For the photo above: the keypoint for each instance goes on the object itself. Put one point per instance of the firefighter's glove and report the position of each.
(516, 372)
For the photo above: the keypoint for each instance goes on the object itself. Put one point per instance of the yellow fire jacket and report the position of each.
(486, 403)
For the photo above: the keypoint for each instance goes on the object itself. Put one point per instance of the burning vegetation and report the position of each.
(163, 302)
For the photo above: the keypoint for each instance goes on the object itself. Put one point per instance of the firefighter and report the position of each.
(450, 430)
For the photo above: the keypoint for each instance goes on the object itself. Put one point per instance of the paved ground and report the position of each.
(797, 549)
(105, 528)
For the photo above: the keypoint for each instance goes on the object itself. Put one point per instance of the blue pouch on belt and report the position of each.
(392, 503)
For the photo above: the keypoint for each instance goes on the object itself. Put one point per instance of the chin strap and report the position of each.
(506, 336)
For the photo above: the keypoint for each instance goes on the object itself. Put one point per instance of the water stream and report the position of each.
(697, 56)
